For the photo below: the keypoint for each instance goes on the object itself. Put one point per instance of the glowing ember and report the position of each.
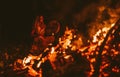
(98, 37)
(63, 53)
(65, 41)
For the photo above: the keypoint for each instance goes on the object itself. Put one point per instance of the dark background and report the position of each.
(17, 16)
(15, 20)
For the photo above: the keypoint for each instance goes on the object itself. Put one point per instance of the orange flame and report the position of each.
(74, 42)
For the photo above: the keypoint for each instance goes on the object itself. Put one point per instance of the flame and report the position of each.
(52, 50)
(74, 42)
(100, 34)
(65, 41)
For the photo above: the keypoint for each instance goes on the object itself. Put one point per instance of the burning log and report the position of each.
(99, 57)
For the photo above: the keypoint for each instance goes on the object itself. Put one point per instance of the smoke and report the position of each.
(96, 15)
(54, 9)
(86, 16)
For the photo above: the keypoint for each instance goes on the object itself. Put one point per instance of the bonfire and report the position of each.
(67, 55)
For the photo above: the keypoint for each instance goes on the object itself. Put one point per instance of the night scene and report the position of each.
(59, 38)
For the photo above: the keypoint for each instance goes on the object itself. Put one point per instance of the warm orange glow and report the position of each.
(92, 60)
(74, 42)
(92, 69)
(52, 50)
(115, 69)
(67, 57)
(65, 41)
